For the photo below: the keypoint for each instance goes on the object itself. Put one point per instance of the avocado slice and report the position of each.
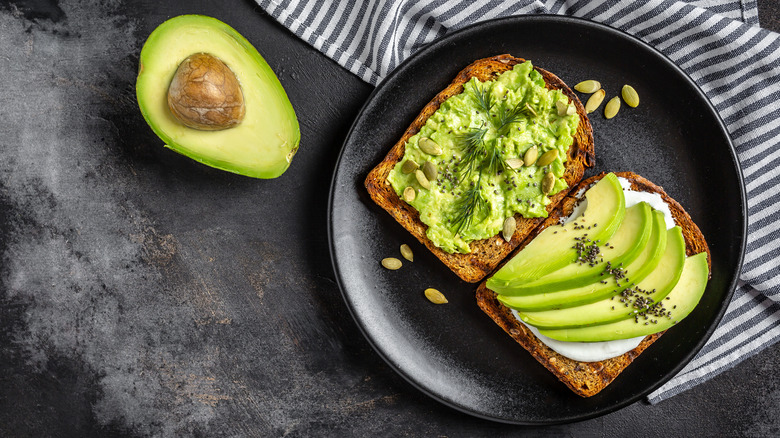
(623, 247)
(265, 140)
(553, 248)
(637, 270)
(681, 301)
(631, 301)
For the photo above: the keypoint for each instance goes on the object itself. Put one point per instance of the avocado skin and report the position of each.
(263, 145)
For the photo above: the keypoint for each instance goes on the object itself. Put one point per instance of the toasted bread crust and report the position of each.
(587, 378)
(485, 254)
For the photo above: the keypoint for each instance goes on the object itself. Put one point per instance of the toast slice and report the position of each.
(587, 378)
(485, 254)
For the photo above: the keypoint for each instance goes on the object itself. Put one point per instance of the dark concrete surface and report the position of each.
(143, 294)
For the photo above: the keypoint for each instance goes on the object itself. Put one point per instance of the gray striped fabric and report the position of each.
(717, 42)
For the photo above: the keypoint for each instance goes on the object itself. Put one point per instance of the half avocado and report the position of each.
(262, 135)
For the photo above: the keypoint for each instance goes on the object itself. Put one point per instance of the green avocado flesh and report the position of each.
(554, 248)
(629, 302)
(636, 271)
(263, 144)
(623, 247)
(496, 191)
(682, 299)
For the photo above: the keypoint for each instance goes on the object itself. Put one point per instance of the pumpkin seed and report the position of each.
(547, 183)
(530, 156)
(430, 171)
(531, 110)
(422, 179)
(612, 107)
(510, 226)
(595, 101)
(547, 158)
(391, 263)
(514, 163)
(570, 110)
(429, 146)
(409, 194)
(407, 252)
(588, 87)
(562, 107)
(409, 166)
(435, 296)
(630, 96)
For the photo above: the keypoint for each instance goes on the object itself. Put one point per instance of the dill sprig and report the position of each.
(484, 98)
(507, 116)
(468, 205)
(494, 162)
(472, 144)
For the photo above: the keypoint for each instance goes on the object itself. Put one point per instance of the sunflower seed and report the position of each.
(424, 183)
(612, 107)
(430, 171)
(409, 194)
(435, 296)
(510, 226)
(589, 86)
(530, 156)
(409, 166)
(407, 252)
(630, 96)
(547, 183)
(429, 146)
(595, 101)
(547, 158)
(391, 263)
(514, 163)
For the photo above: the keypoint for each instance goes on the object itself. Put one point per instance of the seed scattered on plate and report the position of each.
(595, 101)
(435, 296)
(391, 263)
(612, 107)
(407, 253)
(589, 86)
(630, 96)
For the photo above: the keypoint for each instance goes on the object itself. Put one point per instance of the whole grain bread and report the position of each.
(587, 378)
(485, 254)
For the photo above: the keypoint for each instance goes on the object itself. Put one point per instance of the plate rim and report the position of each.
(723, 306)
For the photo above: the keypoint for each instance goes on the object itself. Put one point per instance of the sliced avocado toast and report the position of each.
(679, 284)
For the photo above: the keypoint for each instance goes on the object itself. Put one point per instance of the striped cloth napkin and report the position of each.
(717, 42)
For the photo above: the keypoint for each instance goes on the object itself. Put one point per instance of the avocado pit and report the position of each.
(205, 94)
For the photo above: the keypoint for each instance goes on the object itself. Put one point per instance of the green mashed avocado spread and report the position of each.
(480, 134)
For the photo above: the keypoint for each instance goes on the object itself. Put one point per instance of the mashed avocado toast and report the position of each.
(499, 146)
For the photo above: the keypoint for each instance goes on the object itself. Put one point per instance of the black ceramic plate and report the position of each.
(454, 352)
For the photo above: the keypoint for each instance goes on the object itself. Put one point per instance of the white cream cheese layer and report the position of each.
(597, 351)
